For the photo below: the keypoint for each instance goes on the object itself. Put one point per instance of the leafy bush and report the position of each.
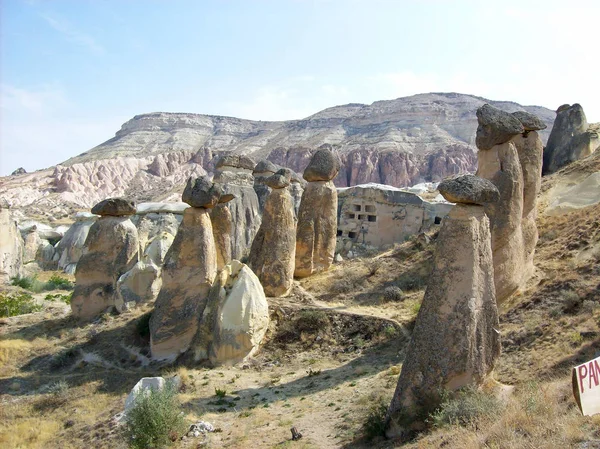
(311, 321)
(58, 283)
(33, 284)
(374, 425)
(63, 359)
(393, 293)
(58, 297)
(220, 393)
(466, 408)
(57, 397)
(570, 301)
(412, 281)
(155, 420)
(30, 283)
(17, 304)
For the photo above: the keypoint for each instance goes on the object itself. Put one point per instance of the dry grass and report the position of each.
(9, 348)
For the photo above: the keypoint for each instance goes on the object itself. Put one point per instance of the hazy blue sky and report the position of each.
(72, 71)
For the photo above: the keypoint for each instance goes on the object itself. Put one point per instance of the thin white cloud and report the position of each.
(16, 100)
(72, 34)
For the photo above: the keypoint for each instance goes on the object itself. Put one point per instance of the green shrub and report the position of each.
(30, 283)
(465, 408)
(17, 304)
(33, 284)
(412, 281)
(58, 297)
(57, 397)
(374, 425)
(220, 393)
(393, 293)
(63, 359)
(58, 283)
(155, 420)
(311, 321)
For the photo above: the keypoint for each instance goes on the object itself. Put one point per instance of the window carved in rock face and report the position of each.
(369, 208)
(351, 216)
(352, 234)
(372, 218)
(357, 207)
(339, 232)
(437, 220)
(362, 217)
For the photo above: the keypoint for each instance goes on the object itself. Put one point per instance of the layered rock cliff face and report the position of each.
(398, 142)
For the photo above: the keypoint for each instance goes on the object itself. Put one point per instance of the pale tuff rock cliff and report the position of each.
(399, 142)
(11, 246)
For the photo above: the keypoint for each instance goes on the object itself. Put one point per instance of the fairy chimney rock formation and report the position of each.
(571, 138)
(317, 216)
(222, 223)
(273, 251)
(498, 135)
(234, 176)
(112, 249)
(455, 341)
(188, 272)
(530, 150)
(261, 172)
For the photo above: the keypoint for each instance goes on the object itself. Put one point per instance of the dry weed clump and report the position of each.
(467, 408)
(536, 415)
(538, 412)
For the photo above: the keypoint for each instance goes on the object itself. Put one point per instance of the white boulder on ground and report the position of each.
(235, 319)
(71, 247)
(141, 284)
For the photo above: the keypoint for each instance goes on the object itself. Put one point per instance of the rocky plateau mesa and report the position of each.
(399, 142)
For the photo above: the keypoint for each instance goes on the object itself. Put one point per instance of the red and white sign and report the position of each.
(586, 386)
